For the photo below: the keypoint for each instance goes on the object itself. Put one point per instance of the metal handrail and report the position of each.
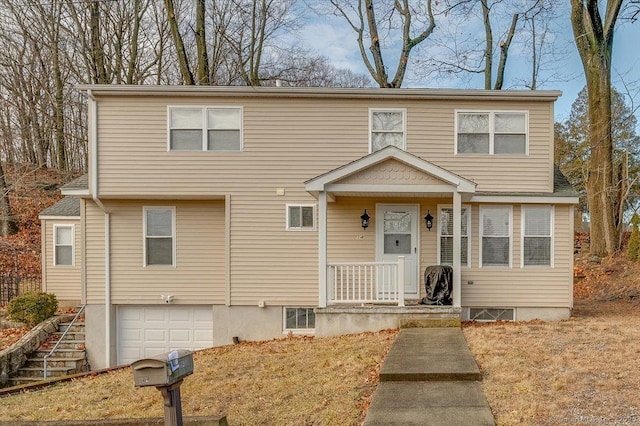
(60, 340)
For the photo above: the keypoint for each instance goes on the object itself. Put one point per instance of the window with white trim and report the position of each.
(537, 236)
(159, 236)
(301, 217)
(387, 128)
(495, 236)
(299, 319)
(494, 133)
(445, 234)
(205, 129)
(63, 242)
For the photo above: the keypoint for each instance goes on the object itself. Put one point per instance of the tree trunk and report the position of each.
(504, 51)
(488, 49)
(594, 40)
(183, 61)
(8, 224)
(201, 44)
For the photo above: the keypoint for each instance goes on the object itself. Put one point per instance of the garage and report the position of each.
(149, 330)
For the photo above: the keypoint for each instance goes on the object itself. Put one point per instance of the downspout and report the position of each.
(93, 168)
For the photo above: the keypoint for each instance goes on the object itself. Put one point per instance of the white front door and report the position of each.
(397, 235)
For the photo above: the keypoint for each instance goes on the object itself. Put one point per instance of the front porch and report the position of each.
(364, 272)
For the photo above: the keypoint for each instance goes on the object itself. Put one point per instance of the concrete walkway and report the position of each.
(429, 377)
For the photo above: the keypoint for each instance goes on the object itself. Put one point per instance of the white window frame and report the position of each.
(404, 125)
(205, 128)
(56, 245)
(450, 206)
(285, 330)
(550, 236)
(288, 226)
(173, 236)
(483, 210)
(492, 131)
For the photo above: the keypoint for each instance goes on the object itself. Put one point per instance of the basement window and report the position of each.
(491, 314)
(299, 320)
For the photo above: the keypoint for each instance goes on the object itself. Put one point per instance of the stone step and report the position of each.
(72, 335)
(55, 362)
(59, 353)
(68, 344)
(77, 326)
(39, 372)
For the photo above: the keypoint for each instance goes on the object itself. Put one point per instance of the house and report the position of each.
(211, 214)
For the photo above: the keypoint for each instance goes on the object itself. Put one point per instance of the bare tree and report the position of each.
(379, 22)
(594, 40)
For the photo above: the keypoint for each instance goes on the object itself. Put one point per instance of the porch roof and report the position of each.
(437, 179)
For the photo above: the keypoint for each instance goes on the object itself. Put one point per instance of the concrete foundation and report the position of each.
(95, 337)
(246, 323)
(545, 314)
(334, 321)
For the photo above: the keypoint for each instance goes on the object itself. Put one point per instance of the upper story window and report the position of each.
(495, 133)
(159, 236)
(63, 236)
(205, 129)
(301, 217)
(388, 127)
(537, 236)
(495, 235)
(445, 229)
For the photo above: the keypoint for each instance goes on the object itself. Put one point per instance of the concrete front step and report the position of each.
(430, 354)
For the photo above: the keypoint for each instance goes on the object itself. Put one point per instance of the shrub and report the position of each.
(633, 249)
(32, 308)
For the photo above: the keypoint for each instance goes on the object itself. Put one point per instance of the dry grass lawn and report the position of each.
(292, 381)
(582, 371)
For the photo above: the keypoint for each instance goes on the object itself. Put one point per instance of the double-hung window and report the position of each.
(387, 128)
(445, 230)
(494, 133)
(159, 236)
(537, 236)
(205, 129)
(301, 217)
(495, 236)
(63, 236)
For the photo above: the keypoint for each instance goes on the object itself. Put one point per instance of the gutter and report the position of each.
(93, 189)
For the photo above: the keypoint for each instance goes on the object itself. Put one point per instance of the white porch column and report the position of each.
(457, 230)
(322, 249)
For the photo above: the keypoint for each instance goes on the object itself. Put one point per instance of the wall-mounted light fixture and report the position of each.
(428, 220)
(364, 219)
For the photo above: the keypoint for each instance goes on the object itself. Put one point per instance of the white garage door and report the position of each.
(149, 330)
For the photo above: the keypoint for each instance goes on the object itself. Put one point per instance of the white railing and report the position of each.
(366, 282)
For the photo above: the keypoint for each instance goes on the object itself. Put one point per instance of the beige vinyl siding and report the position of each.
(288, 141)
(199, 274)
(516, 286)
(64, 281)
(269, 262)
(94, 252)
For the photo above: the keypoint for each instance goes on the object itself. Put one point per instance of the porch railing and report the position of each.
(366, 282)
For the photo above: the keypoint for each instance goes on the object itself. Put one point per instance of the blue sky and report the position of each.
(331, 37)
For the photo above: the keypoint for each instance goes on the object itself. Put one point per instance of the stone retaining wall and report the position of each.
(13, 357)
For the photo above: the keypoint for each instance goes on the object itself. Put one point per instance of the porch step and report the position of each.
(453, 321)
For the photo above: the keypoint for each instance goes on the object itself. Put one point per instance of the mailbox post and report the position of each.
(166, 372)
